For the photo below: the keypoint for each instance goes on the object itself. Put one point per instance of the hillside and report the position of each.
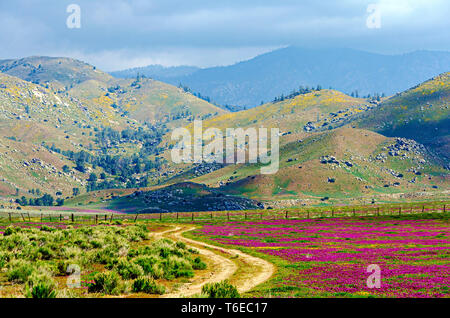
(279, 72)
(340, 166)
(142, 99)
(421, 113)
(60, 71)
(146, 100)
(298, 116)
(87, 121)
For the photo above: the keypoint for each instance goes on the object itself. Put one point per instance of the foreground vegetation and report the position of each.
(35, 259)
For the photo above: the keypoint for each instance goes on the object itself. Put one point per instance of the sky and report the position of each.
(119, 34)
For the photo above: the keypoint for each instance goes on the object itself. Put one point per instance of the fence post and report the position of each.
(444, 208)
(9, 214)
(23, 218)
(354, 212)
(399, 210)
(177, 216)
(160, 216)
(192, 216)
(378, 211)
(228, 216)
(332, 213)
(423, 209)
(287, 215)
(246, 215)
(261, 215)
(96, 219)
(73, 218)
(110, 220)
(211, 215)
(135, 219)
(307, 215)
(60, 218)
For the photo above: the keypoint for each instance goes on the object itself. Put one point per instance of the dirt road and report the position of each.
(223, 265)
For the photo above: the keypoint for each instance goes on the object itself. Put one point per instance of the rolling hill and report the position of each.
(65, 107)
(342, 165)
(421, 113)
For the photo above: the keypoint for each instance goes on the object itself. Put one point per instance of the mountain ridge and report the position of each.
(271, 74)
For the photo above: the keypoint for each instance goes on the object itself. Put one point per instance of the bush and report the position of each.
(128, 270)
(108, 283)
(10, 230)
(220, 290)
(148, 285)
(198, 264)
(40, 286)
(20, 271)
(146, 263)
(4, 259)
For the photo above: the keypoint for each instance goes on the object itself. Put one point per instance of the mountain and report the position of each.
(158, 72)
(421, 113)
(279, 72)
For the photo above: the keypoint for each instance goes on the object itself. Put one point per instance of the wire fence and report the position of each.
(90, 218)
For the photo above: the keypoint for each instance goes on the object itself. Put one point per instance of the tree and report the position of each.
(66, 168)
(93, 177)
(75, 191)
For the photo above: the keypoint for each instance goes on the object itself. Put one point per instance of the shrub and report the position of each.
(128, 270)
(10, 230)
(4, 259)
(181, 245)
(148, 285)
(198, 264)
(146, 263)
(108, 283)
(19, 271)
(40, 286)
(220, 290)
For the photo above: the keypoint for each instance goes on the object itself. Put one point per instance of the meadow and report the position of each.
(329, 257)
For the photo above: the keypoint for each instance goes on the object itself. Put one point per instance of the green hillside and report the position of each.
(343, 165)
(58, 71)
(421, 113)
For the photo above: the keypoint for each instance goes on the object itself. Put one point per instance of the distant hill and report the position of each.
(279, 72)
(43, 69)
(421, 113)
(158, 72)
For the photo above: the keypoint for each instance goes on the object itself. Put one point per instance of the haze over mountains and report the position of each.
(248, 83)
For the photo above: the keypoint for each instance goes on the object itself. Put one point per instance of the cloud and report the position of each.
(125, 33)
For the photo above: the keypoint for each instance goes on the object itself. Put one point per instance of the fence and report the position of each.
(87, 218)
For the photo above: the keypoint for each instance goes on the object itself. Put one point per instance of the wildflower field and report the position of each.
(329, 257)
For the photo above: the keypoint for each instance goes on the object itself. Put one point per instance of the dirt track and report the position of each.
(223, 267)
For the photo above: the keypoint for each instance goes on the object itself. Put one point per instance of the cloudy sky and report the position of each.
(117, 34)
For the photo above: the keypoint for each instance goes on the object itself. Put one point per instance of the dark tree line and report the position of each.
(301, 91)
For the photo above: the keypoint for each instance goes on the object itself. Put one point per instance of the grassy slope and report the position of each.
(421, 112)
(150, 101)
(291, 114)
(310, 182)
